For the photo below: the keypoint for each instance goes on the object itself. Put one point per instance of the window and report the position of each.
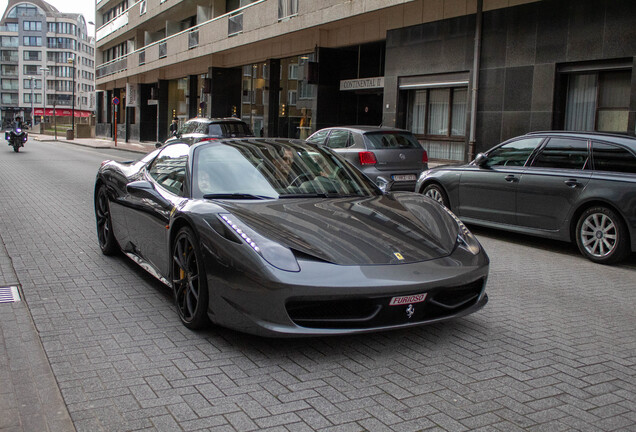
(10, 84)
(9, 70)
(609, 157)
(30, 69)
(37, 98)
(170, 167)
(12, 27)
(9, 56)
(9, 98)
(563, 153)
(32, 55)
(438, 112)
(598, 101)
(319, 137)
(339, 139)
(514, 153)
(293, 71)
(291, 97)
(32, 25)
(37, 83)
(287, 8)
(32, 41)
(396, 140)
(9, 41)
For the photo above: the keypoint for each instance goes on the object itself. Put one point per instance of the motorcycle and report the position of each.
(16, 137)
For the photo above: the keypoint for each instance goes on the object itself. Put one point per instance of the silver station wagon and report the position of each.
(568, 186)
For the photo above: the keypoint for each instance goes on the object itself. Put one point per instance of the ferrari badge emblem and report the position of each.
(398, 256)
(410, 310)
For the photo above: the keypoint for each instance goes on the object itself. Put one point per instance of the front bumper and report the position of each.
(327, 299)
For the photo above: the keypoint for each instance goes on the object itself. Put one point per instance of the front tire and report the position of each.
(602, 236)
(435, 191)
(189, 281)
(105, 235)
(16, 148)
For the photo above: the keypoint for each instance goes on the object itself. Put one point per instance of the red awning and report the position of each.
(62, 112)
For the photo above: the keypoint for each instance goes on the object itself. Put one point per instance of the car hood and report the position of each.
(396, 228)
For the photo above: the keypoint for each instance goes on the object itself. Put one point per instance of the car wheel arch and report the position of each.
(574, 219)
(440, 185)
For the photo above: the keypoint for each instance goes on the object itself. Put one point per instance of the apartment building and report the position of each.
(463, 75)
(48, 65)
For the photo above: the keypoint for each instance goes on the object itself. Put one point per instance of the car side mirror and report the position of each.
(481, 159)
(139, 186)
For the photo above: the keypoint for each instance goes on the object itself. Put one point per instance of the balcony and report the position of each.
(111, 26)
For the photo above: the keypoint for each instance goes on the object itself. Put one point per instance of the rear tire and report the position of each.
(602, 236)
(435, 191)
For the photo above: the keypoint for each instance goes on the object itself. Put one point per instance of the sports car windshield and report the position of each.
(265, 169)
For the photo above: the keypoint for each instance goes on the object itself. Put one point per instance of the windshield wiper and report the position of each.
(236, 196)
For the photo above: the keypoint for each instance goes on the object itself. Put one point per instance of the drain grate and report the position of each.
(9, 294)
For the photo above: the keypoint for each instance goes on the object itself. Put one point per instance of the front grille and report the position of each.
(370, 312)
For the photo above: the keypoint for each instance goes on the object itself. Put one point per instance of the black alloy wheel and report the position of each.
(602, 236)
(105, 236)
(436, 192)
(189, 280)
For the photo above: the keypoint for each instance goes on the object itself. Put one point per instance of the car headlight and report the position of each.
(465, 239)
(277, 255)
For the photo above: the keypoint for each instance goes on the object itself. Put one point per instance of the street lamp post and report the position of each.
(45, 72)
(72, 62)
(31, 83)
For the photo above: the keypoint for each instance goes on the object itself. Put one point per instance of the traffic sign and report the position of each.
(115, 101)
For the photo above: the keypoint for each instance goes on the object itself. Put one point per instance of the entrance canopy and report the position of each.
(61, 112)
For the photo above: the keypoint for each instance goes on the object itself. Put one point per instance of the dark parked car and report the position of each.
(279, 237)
(563, 185)
(207, 129)
(385, 155)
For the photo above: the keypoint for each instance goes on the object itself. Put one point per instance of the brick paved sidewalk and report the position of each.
(30, 399)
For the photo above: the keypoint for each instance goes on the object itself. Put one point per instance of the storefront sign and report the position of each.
(362, 83)
(61, 112)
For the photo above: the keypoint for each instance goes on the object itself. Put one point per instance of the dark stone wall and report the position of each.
(522, 48)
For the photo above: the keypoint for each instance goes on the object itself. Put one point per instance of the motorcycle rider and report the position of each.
(17, 123)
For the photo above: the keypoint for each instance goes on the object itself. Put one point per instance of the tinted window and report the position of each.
(318, 137)
(514, 153)
(170, 167)
(236, 129)
(563, 153)
(339, 139)
(213, 129)
(392, 140)
(608, 157)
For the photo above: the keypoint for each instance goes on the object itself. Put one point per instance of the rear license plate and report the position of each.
(416, 298)
(404, 177)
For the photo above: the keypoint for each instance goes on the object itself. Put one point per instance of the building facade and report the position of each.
(463, 75)
(47, 63)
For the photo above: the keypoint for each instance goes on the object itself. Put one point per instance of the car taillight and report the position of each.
(208, 139)
(367, 158)
(425, 157)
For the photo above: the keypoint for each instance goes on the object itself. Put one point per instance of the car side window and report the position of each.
(339, 139)
(514, 153)
(319, 137)
(609, 157)
(169, 168)
(566, 153)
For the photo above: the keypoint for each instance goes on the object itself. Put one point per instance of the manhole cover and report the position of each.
(9, 294)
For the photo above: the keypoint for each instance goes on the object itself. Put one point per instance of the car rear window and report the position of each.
(608, 157)
(391, 140)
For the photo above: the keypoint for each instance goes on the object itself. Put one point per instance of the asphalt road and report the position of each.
(554, 349)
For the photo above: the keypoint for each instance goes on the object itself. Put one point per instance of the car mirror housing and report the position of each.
(139, 186)
(481, 159)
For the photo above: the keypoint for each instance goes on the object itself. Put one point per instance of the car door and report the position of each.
(487, 192)
(552, 183)
(153, 202)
